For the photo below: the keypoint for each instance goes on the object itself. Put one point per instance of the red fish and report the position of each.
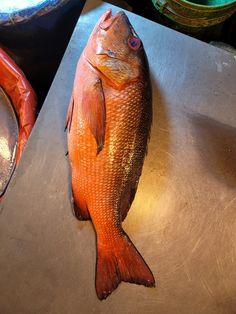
(109, 121)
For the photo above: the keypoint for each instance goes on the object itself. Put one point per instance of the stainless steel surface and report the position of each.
(183, 219)
(8, 140)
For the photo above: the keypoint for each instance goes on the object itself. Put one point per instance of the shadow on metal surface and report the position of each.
(216, 144)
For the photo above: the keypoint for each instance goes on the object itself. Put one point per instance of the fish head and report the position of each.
(115, 50)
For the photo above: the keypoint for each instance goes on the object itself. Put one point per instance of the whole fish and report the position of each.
(109, 120)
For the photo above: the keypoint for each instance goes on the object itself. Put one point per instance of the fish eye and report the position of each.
(134, 43)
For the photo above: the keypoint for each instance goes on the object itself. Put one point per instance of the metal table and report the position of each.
(183, 219)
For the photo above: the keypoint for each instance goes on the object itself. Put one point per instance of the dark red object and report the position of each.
(22, 95)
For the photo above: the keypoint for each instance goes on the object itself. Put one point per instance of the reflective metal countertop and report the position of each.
(183, 219)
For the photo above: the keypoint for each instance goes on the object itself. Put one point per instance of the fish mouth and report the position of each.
(108, 19)
(106, 22)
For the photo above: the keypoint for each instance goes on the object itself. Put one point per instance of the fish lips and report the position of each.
(108, 19)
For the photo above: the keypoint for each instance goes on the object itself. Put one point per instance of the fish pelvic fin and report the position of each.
(122, 262)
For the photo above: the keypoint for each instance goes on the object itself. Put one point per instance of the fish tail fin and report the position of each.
(120, 263)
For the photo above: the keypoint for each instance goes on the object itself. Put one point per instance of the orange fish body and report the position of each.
(109, 120)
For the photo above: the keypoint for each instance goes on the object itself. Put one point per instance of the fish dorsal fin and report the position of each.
(94, 110)
(69, 113)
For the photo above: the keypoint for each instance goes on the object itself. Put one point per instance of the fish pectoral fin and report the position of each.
(69, 114)
(94, 111)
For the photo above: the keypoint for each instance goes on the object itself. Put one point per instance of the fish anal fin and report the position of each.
(80, 209)
(69, 113)
(81, 213)
(94, 110)
(120, 262)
